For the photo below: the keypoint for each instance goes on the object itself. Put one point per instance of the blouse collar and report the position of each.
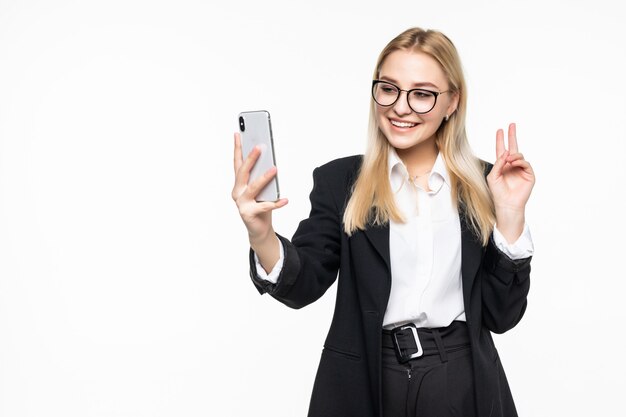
(398, 173)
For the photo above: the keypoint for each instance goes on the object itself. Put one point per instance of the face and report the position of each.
(403, 128)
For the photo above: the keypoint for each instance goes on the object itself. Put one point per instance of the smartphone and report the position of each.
(256, 130)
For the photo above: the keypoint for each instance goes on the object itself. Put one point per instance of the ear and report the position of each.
(454, 103)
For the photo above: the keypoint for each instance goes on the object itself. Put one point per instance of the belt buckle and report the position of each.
(402, 357)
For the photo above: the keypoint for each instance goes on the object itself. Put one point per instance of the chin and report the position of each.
(398, 141)
(406, 140)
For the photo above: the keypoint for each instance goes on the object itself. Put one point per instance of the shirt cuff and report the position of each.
(522, 248)
(275, 272)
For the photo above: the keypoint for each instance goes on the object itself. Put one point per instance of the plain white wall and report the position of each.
(124, 287)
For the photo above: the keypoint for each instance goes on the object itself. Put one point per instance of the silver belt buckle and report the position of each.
(402, 357)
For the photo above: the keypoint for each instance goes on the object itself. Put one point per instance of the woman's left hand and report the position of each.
(511, 180)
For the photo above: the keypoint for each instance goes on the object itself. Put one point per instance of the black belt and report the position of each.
(410, 342)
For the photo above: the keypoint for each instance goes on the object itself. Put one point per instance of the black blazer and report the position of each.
(348, 381)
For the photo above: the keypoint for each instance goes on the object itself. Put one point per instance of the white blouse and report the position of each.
(425, 251)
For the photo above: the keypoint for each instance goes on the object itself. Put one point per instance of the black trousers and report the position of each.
(440, 383)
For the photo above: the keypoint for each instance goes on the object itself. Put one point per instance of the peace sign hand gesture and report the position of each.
(511, 180)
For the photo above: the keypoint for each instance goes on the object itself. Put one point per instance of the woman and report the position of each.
(429, 243)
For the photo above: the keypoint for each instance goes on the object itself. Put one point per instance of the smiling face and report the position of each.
(406, 130)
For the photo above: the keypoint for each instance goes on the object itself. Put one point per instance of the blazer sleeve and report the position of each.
(312, 256)
(505, 286)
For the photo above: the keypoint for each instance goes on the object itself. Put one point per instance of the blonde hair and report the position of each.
(372, 201)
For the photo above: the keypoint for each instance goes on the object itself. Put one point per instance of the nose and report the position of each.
(401, 106)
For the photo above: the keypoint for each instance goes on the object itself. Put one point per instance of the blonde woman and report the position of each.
(428, 242)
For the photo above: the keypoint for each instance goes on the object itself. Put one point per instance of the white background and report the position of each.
(124, 287)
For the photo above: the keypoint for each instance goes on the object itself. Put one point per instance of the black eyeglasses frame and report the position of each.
(408, 92)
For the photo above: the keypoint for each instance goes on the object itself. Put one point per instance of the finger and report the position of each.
(238, 156)
(255, 187)
(243, 173)
(498, 166)
(499, 143)
(517, 160)
(524, 164)
(512, 138)
(281, 203)
(272, 205)
(514, 156)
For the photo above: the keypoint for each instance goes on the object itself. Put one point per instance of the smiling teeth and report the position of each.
(402, 124)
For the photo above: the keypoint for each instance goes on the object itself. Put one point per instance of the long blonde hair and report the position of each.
(372, 201)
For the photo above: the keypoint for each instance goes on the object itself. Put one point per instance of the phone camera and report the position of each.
(242, 125)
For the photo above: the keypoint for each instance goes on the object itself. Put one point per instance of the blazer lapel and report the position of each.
(379, 238)
(471, 253)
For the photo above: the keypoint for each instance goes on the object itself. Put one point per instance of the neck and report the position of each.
(420, 158)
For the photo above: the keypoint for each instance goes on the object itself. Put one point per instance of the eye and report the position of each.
(422, 94)
(388, 89)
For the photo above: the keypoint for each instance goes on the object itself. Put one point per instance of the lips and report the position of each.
(402, 124)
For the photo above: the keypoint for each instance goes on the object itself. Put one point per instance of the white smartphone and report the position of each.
(256, 130)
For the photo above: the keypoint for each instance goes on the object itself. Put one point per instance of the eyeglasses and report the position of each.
(420, 101)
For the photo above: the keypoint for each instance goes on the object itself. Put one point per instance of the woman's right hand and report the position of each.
(257, 216)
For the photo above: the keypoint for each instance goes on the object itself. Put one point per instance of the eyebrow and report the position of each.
(417, 85)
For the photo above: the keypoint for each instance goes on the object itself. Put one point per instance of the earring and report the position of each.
(447, 117)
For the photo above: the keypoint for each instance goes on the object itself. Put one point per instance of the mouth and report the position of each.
(402, 124)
